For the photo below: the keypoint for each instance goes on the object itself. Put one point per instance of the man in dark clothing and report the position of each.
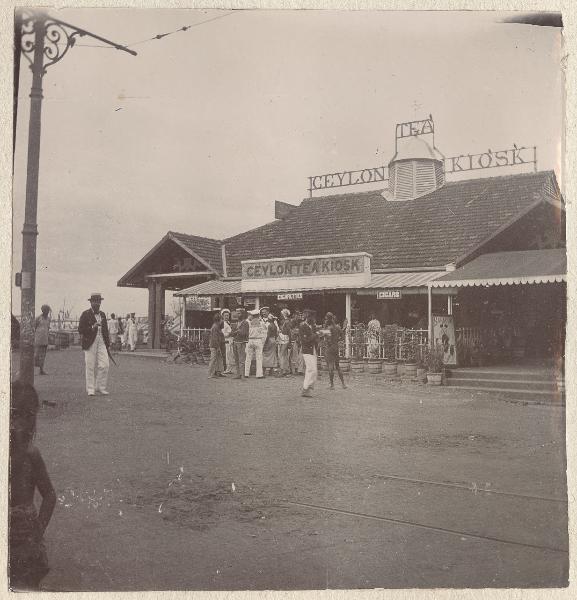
(309, 343)
(15, 334)
(93, 329)
(332, 349)
(240, 337)
(216, 366)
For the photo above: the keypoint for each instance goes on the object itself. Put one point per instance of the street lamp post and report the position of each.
(30, 229)
(43, 41)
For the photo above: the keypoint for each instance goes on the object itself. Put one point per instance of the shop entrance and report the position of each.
(515, 322)
(409, 311)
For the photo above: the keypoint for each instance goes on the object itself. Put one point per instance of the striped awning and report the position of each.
(403, 280)
(220, 287)
(509, 268)
(214, 287)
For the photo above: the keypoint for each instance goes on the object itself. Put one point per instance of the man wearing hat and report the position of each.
(256, 335)
(95, 342)
(240, 336)
(228, 352)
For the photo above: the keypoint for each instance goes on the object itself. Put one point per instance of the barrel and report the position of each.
(390, 369)
(374, 366)
(357, 366)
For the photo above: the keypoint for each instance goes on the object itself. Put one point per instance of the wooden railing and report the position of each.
(374, 345)
(363, 345)
(470, 336)
(194, 334)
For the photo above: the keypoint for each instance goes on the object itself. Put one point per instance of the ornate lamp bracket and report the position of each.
(58, 39)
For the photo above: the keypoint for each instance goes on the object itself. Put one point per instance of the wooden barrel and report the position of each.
(357, 366)
(410, 370)
(390, 369)
(374, 365)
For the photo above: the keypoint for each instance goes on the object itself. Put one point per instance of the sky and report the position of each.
(204, 129)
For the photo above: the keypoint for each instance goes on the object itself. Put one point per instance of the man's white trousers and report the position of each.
(96, 359)
(310, 370)
(253, 350)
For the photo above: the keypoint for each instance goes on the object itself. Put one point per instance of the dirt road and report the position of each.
(179, 482)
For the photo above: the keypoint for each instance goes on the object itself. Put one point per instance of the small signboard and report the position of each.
(292, 296)
(249, 302)
(389, 295)
(195, 302)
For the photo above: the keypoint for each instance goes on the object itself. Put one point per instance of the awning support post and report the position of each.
(182, 314)
(430, 314)
(348, 318)
(449, 304)
(257, 303)
(151, 311)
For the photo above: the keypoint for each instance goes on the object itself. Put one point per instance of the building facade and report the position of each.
(488, 251)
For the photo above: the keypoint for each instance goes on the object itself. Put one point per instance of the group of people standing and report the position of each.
(123, 334)
(283, 346)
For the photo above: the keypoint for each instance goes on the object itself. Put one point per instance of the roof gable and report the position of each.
(175, 252)
(207, 250)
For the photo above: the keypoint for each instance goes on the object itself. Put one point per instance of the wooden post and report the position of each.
(159, 296)
(430, 315)
(449, 304)
(257, 303)
(151, 312)
(348, 318)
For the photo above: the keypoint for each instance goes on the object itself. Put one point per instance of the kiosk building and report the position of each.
(489, 250)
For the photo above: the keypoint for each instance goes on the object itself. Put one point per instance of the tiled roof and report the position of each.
(206, 248)
(430, 231)
(506, 268)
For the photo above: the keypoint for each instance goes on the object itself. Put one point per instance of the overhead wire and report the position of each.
(159, 36)
(184, 28)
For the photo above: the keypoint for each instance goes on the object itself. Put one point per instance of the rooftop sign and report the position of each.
(514, 156)
(455, 164)
(488, 160)
(412, 128)
(345, 178)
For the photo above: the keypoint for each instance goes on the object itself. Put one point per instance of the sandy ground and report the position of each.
(177, 482)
